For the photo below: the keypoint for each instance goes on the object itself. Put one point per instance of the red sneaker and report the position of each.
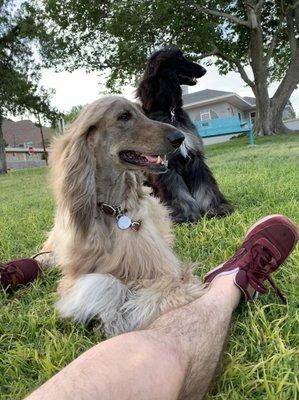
(266, 246)
(18, 272)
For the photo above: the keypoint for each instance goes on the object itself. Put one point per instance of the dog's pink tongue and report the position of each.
(151, 159)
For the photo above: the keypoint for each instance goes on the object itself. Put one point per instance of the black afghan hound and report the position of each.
(188, 188)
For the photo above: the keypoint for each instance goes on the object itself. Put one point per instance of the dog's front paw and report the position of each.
(184, 210)
(179, 218)
(46, 259)
(222, 210)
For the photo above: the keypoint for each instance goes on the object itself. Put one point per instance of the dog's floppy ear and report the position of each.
(74, 165)
(152, 67)
(147, 86)
(79, 188)
(146, 89)
(74, 168)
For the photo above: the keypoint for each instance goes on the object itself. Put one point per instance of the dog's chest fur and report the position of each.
(126, 254)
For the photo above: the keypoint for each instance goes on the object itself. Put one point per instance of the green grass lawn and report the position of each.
(262, 354)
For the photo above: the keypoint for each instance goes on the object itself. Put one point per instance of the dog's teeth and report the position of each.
(158, 160)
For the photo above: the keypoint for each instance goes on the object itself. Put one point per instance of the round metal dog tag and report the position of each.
(124, 222)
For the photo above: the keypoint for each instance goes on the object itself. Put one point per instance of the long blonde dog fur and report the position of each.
(123, 278)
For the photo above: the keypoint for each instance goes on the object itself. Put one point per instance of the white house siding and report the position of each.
(222, 109)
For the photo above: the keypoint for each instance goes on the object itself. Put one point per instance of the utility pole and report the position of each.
(3, 164)
(43, 140)
(61, 126)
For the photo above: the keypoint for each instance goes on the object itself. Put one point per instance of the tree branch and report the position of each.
(291, 30)
(273, 41)
(252, 10)
(221, 14)
(232, 60)
(236, 62)
(290, 80)
(296, 15)
(296, 4)
(260, 4)
(208, 54)
(239, 66)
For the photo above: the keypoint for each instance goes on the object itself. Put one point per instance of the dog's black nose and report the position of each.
(176, 138)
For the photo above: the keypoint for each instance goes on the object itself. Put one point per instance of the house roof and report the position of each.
(202, 95)
(18, 132)
(250, 100)
(209, 96)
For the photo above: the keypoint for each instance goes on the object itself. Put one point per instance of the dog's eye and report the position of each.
(126, 116)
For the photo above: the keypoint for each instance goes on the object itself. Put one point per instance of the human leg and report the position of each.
(176, 357)
(162, 362)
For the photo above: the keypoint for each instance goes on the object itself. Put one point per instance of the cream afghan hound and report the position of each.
(111, 238)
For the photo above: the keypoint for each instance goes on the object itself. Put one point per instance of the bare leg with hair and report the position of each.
(175, 358)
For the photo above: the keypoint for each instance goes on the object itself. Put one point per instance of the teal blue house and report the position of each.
(220, 113)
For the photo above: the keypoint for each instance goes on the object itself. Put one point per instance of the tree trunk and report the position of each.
(262, 125)
(268, 120)
(283, 93)
(269, 112)
(262, 122)
(3, 164)
(277, 125)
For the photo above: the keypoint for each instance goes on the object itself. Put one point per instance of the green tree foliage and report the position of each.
(72, 114)
(20, 32)
(119, 36)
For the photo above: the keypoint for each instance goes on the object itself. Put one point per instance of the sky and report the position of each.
(81, 88)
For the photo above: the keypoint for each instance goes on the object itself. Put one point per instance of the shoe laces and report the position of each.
(260, 263)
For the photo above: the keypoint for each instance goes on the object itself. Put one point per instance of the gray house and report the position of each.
(211, 104)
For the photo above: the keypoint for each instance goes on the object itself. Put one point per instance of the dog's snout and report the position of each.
(203, 71)
(176, 138)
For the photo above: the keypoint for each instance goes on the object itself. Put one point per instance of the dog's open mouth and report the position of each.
(188, 80)
(144, 160)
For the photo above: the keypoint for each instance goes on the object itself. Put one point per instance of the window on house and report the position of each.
(252, 116)
(206, 115)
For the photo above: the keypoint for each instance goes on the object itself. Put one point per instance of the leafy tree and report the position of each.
(72, 114)
(19, 69)
(119, 35)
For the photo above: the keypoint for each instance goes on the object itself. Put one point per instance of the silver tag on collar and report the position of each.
(124, 222)
(172, 115)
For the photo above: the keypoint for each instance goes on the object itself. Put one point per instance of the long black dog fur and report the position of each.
(189, 188)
